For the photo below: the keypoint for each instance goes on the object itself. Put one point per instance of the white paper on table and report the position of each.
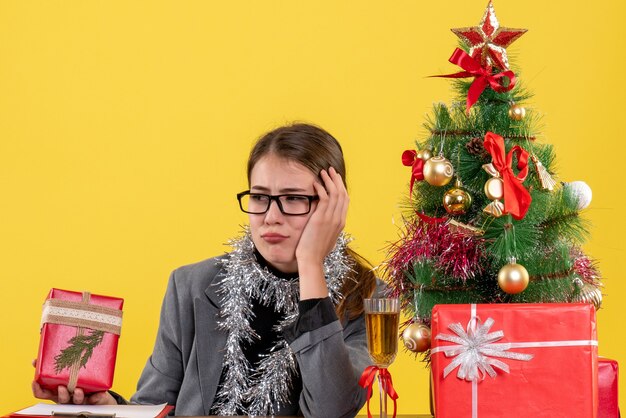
(120, 411)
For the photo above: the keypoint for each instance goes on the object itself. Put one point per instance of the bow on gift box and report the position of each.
(367, 381)
(409, 159)
(483, 76)
(516, 198)
(476, 349)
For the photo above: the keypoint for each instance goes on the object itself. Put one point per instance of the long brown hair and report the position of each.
(318, 150)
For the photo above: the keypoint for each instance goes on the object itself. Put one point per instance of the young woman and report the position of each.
(275, 326)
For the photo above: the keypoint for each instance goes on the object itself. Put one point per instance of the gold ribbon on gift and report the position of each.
(81, 315)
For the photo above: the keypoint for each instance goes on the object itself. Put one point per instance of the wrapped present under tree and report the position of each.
(515, 360)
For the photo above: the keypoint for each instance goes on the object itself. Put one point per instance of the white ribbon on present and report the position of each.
(476, 348)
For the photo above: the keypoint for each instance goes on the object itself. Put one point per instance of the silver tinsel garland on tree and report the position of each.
(267, 386)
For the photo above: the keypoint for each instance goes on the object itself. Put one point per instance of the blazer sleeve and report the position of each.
(331, 359)
(162, 376)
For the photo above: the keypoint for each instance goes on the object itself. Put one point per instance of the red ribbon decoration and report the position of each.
(367, 381)
(483, 76)
(409, 159)
(516, 197)
(429, 220)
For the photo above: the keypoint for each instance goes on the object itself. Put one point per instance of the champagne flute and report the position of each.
(382, 317)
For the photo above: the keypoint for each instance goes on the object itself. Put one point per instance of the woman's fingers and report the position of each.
(337, 198)
(41, 393)
(78, 397)
(97, 398)
(341, 209)
(328, 218)
(101, 398)
(63, 395)
(323, 216)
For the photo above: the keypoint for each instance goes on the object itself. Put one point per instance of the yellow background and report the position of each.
(125, 125)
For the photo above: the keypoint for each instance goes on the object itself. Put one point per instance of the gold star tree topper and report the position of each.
(488, 41)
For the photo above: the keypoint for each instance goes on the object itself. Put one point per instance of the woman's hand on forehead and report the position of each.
(321, 232)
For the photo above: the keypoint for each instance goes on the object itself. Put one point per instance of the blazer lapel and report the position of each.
(210, 345)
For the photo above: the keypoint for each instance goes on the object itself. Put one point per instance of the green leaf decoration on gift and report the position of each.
(79, 351)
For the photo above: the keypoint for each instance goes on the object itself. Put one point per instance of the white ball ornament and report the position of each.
(581, 191)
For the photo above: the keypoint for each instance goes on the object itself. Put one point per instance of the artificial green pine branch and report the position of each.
(569, 225)
(563, 220)
(431, 287)
(506, 238)
(551, 260)
(79, 351)
(470, 170)
(428, 299)
(546, 290)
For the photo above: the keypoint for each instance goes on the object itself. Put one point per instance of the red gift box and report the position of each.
(515, 360)
(608, 407)
(78, 342)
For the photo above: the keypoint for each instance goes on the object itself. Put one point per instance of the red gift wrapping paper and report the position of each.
(608, 406)
(559, 381)
(97, 374)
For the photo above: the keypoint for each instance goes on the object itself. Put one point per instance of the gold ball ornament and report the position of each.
(416, 338)
(456, 201)
(517, 112)
(587, 293)
(513, 278)
(494, 188)
(438, 171)
(424, 154)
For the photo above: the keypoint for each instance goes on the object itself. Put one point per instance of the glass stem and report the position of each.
(383, 397)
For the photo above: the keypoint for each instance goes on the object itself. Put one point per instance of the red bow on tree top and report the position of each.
(516, 197)
(483, 76)
(367, 381)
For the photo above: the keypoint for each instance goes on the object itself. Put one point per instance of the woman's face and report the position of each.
(274, 234)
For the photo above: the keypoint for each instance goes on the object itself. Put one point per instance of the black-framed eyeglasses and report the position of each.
(289, 204)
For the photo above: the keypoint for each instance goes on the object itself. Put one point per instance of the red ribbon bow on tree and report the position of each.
(409, 159)
(367, 381)
(483, 76)
(516, 197)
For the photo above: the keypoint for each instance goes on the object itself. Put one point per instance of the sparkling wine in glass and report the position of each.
(382, 316)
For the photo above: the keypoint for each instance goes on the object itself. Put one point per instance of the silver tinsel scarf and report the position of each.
(267, 386)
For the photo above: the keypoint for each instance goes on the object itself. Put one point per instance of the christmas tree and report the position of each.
(487, 220)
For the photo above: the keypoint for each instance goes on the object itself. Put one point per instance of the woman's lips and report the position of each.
(273, 238)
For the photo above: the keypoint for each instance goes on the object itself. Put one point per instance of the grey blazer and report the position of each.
(186, 363)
